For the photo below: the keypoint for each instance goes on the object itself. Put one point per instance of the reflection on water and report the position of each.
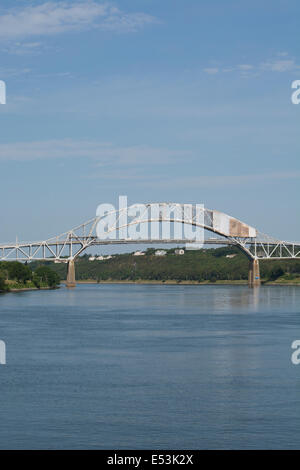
(150, 366)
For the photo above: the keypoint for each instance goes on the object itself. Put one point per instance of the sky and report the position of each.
(167, 100)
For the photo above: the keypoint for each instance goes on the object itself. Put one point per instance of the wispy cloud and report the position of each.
(103, 153)
(13, 72)
(245, 67)
(59, 17)
(124, 23)
(211, 70)
(23, 48)
(282, 63)
(113, 162)
(220, 181)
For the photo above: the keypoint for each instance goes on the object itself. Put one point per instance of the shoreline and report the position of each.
(192, 283)
(27, 289)
(169, 282)
(149, 282)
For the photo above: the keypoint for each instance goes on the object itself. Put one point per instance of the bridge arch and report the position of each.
(230, 228)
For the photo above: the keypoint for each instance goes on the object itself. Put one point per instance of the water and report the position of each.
(150, 366)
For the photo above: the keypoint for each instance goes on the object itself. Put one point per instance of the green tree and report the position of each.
(45, 275)
(276, 273)
(3, 286)
(19, 272)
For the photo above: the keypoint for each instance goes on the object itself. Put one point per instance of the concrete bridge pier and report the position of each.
(254, 273)
(71, 280)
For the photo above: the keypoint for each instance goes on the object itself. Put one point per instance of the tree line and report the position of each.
(196, 265)
(14, 274)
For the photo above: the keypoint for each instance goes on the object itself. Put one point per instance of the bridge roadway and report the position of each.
(126, 241)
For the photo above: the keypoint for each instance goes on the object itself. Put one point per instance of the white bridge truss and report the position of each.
(230, 231)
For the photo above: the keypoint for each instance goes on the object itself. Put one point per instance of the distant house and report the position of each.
(231, 256)
(179, 251)
(160, 253)
(99, 258)
(139, 253)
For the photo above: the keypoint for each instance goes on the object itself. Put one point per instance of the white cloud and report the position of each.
(59, 17)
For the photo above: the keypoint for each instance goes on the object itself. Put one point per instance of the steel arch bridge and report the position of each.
(67, 246)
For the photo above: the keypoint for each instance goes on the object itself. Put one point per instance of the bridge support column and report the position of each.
(254, 274)
(71, 281)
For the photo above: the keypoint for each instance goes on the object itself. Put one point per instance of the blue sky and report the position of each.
(158, 100)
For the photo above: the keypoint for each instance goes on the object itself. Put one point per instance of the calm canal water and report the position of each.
(150, 366)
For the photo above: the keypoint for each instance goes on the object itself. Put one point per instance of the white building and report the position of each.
(139, 253)
(99, 258)
(160, 253)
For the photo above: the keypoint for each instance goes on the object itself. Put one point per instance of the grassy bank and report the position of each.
(26, 289)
